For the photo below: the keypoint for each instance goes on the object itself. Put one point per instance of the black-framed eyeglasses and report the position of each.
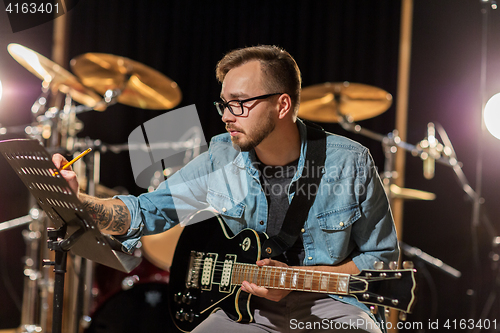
(233, 104)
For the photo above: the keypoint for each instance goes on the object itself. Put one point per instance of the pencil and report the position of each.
(65, 166)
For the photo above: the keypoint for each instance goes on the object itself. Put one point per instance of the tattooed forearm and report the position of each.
(111, 216)
(100, 213)
(121, 216)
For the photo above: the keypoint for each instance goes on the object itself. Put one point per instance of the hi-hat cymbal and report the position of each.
(55, 76)
(323, 102)
(137, 85)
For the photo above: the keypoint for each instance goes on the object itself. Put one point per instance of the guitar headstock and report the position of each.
(385, 287)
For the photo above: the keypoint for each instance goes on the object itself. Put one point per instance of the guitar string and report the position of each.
(242, 271)
(219, 267)
(245, 273)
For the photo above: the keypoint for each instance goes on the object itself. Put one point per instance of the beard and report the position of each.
(255, 135)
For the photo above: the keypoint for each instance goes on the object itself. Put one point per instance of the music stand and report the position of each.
(76, 230)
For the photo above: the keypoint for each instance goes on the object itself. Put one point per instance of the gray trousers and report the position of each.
(298, 312)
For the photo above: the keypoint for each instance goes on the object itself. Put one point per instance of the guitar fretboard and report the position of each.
(290, 278)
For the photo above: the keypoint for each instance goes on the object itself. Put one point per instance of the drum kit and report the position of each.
(101, 80)
(92, 290)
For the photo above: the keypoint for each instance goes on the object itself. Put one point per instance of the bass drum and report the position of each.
(131, 303)
(160, 248)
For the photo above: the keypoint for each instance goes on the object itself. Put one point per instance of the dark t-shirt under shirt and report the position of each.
(276, 181)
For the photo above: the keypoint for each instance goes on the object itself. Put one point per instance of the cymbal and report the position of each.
(408, 193)
(138, 85)
(55, 76)
(357, 101)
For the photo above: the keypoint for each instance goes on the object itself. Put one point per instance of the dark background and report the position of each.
(332, 41)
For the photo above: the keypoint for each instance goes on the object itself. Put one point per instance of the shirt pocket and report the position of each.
(231, 211)
(336, 225)
(339, 218)
(225, 205)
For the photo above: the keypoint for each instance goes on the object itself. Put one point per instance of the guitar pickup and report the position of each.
(207, 270)
(227, 270)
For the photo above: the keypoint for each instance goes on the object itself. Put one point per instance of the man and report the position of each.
(248, 176)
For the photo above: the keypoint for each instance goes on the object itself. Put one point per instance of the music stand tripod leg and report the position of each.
(61, 247)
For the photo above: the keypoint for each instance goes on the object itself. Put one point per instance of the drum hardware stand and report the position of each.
(36, 281)
(111, 95)
(415, 252)
(481, 218)
(101, 105)
(390, 143)
(86, 269)
(31, 273)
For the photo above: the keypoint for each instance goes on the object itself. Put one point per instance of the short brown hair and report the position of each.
(278, 66)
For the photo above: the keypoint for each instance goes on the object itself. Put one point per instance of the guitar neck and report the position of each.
(291, 279)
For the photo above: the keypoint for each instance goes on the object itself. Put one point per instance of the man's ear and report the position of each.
(285, 105)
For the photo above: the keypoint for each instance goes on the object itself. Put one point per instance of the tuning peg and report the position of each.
(402, 316)
(408, 264)
(387, 312)
(393, 265)
(378, 265)
(374, 309)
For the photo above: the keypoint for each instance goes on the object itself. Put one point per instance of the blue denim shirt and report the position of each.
(350, 217)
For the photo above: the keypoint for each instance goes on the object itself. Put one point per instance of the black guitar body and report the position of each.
(210, 264)
(195, 294)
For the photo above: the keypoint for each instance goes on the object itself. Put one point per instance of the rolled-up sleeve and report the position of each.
(181, 195)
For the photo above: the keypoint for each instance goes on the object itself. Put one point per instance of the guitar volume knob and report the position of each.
(408, 265)
(187, 298)
(179, 315)
(189, 317)
(178, 298)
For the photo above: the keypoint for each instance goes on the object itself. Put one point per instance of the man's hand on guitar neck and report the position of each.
(274, 295)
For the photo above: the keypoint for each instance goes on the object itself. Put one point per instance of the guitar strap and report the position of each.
(303, 199)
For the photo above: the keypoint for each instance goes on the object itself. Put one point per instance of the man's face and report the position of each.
(258, 121)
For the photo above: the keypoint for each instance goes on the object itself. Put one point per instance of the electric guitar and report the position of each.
(210, 264)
